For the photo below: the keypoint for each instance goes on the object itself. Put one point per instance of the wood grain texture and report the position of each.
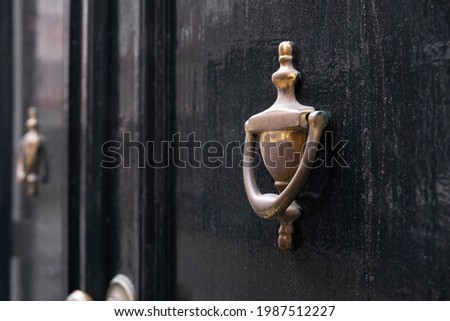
(126, 212)
(375, 230)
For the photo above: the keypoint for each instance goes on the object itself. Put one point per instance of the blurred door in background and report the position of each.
(38, 266)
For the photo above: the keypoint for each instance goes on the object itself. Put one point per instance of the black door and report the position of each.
(376, 225)
(155, 88)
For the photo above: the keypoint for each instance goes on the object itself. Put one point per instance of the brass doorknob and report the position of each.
(120, 289)
(289, 134)
(32, 162)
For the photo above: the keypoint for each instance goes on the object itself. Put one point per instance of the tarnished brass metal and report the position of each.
(120, 289)
(289, 134)
(32, 162)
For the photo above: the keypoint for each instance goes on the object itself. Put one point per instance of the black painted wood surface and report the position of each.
(6, 112)
(97, 200)
(122, 216)
(375, 230)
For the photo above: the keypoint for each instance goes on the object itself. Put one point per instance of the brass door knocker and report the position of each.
(32, 162)
(289, 134)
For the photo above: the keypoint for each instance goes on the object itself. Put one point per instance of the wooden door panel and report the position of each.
(109, 198)
(376, 229)
(119, 91)
(374, 225)
(125, 191)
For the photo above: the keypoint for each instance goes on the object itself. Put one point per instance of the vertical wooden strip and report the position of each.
(74, 135)
(6, 134)
(158, 98)
(96, 207)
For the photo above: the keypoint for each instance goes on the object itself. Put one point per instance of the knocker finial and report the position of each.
(32, 162)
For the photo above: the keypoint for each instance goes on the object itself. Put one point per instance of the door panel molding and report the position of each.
(6, 112)
(158, 97)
